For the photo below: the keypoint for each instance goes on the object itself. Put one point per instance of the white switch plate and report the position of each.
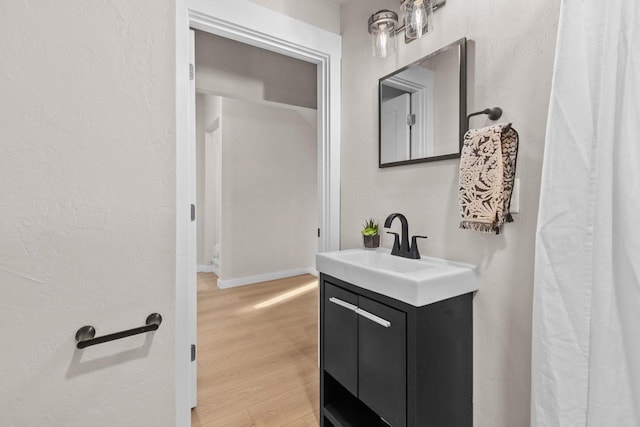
(515, 197)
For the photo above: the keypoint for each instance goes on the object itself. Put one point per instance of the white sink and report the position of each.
(415, 281)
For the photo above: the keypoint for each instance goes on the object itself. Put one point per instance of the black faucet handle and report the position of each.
(396, 243)
(413, 251)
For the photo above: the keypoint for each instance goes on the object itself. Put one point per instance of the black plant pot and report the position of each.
(372, 241)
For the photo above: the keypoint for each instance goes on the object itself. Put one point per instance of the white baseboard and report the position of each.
(211, 268)
(250, 280)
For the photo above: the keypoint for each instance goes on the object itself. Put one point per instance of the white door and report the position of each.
(395, 137)
(193, 229)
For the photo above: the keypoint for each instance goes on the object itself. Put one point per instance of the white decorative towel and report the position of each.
(487, 173)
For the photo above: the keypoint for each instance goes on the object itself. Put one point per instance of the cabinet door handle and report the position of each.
(343, 304)
(373, 318)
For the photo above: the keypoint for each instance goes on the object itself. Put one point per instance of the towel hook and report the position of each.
(494, 114)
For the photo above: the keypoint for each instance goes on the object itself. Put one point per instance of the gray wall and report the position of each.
(236, 70)
(269, 192)
(510, 65)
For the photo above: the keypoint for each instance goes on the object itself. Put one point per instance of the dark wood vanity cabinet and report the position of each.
(366, 355)
(387, 363)
(341, 345)
(382, 384)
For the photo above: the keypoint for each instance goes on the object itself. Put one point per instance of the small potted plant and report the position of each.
(370, 234)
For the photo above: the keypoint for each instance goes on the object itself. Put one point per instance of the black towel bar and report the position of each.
(85, 335)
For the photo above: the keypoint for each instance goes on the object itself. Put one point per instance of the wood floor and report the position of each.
(257, 354)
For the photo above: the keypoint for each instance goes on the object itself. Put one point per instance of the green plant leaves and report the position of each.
(370, 228)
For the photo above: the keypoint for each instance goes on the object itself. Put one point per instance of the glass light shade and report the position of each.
(383, 43)
(382, 27)
(418, 18)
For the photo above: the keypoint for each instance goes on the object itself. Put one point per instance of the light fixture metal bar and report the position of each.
(436, 6)
(384, 25)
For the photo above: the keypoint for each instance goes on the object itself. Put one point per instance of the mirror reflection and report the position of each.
(422, 109)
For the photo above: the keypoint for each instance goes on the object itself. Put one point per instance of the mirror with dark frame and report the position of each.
(422, 108)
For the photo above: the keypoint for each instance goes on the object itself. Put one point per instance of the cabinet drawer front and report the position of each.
(340, 330)
(382, 369)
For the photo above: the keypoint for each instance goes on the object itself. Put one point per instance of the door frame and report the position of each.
(255, 25)
(421, 86)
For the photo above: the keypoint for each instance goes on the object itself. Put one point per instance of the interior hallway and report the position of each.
(257, 354)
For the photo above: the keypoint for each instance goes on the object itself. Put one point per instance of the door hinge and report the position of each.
(193, 212)
(318, 232)
(192, 72)
(193, 352)
(411, 119)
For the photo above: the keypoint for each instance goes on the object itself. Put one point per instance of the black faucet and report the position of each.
(401, 245)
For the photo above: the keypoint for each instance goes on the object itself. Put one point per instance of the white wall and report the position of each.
(510, 65)
(324, 14)
(269, 193)
(87, 196)
(229, 68)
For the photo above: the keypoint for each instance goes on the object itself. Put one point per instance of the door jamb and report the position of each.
(252, 24)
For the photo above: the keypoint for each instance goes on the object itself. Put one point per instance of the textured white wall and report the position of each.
(229, 68)
(269, 193)
(510, 65)
(87, 196)
(324, 14)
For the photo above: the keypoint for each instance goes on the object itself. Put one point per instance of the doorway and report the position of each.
(243, 21)
(256, 204)
(256, 162)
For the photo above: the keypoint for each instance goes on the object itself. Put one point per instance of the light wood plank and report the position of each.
(257, 354)
(287, 407)
(310, 420)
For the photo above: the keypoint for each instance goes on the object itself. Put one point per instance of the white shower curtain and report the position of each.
(586, 315)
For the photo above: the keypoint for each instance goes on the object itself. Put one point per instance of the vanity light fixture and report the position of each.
(417, 18)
